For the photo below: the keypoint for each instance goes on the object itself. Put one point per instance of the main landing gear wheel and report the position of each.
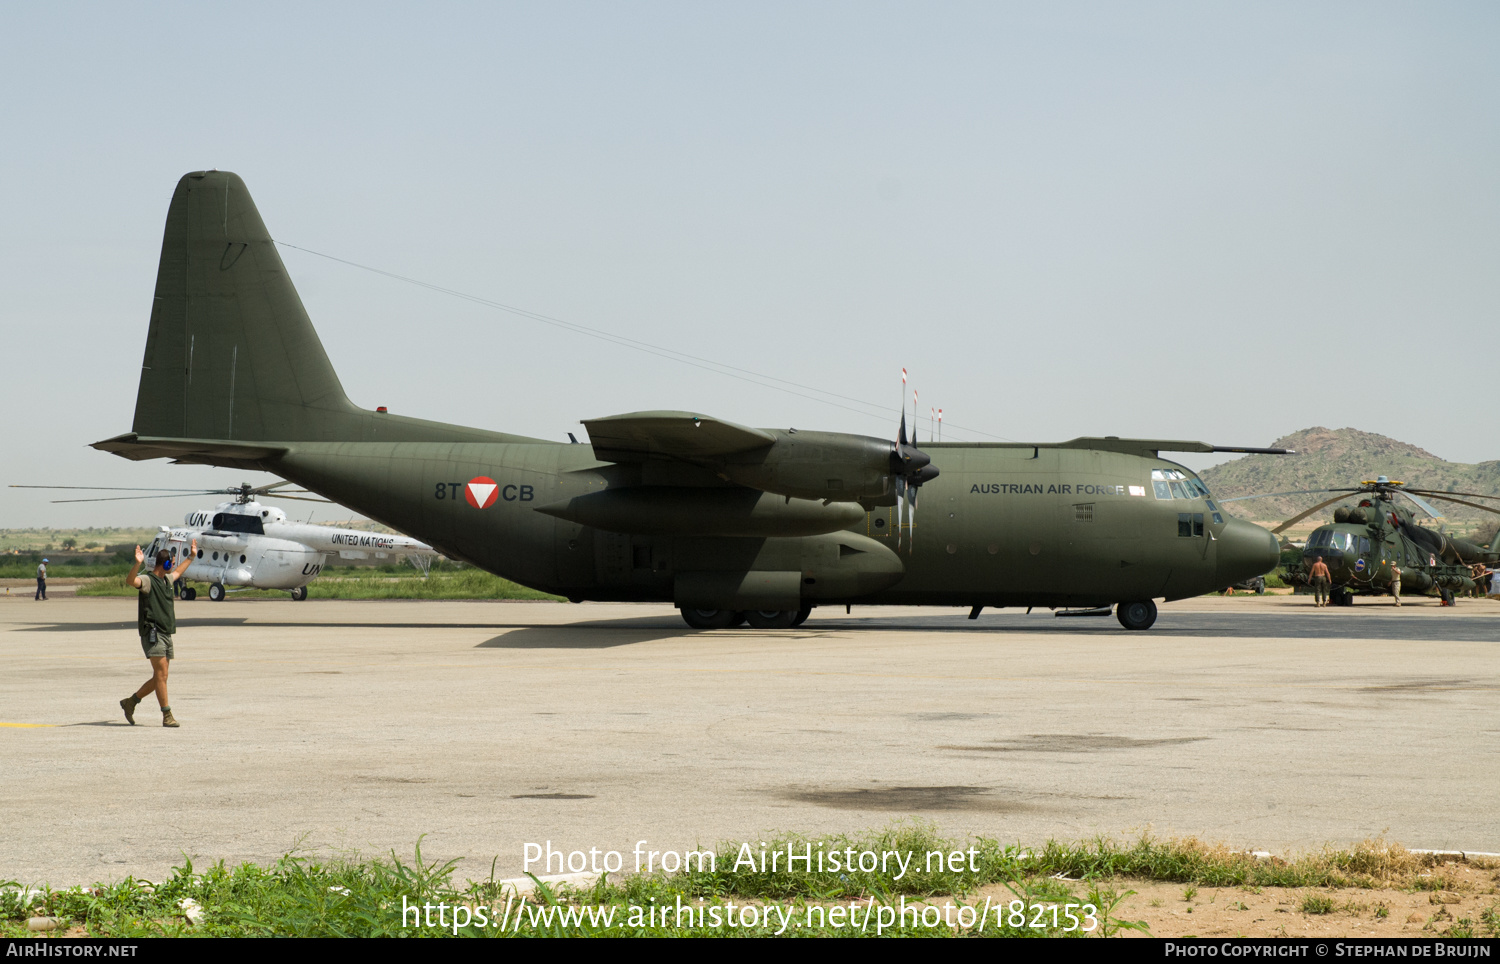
(801, 616)
(189, 594)
(709, 618)
(216, 592)
(1136, 615)
(299, 594)
(771, 618)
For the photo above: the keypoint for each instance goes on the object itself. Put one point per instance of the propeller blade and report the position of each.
(1303, 515)
(900, 507)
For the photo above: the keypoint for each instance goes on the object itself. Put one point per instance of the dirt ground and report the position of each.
(1469, 900)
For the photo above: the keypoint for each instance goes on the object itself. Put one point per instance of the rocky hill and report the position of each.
(1336, 458)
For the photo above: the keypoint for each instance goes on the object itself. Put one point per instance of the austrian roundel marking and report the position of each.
(481, 491)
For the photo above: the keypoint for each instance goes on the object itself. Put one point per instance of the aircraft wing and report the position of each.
(1150, 447)
(639, 436)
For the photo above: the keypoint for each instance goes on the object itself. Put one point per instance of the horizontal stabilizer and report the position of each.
(674, 435)
(138, 448)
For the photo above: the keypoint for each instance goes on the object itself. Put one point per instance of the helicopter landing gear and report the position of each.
(216, 592)
(299, 594)
(801, 616)
(1136, 615)
(189, 594)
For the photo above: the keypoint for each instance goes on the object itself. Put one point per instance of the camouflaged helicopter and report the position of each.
(1380, 531)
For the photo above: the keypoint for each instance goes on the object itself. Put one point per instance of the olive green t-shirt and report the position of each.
(156, 605)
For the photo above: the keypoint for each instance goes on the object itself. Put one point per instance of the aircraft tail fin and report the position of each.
(231, 353)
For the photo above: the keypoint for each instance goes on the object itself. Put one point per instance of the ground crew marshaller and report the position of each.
(157, 619)
(1396, 582)
(41, 580)
(1321, 580)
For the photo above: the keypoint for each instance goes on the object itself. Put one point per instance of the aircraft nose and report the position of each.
(1245, 551)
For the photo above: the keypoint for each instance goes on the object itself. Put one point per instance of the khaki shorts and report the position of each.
(162, 647)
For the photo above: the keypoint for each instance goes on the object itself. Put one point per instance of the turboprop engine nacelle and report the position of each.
(672, 510)
(829, 466)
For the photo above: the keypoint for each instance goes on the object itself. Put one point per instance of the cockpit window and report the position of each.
(230, 522)
(1328, 539)
(1176, 484)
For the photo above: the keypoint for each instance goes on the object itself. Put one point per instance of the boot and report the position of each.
(167, 719)
(128, 704)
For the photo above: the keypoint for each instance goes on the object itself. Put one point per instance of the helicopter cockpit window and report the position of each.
(1176, 484)
(229, 522)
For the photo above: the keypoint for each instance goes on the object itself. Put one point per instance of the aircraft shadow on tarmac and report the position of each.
(606, 635)
(609, 633)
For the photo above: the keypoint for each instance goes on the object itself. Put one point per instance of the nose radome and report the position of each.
(1245, 551)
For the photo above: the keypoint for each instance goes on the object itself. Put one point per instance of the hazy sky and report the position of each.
(1201, 221)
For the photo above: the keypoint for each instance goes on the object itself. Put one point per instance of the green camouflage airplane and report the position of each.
(726, 522)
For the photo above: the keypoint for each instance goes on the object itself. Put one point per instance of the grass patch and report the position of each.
(459, 584)
(1373, 863)
(67, 570)
(302, 897)
(1317, 904)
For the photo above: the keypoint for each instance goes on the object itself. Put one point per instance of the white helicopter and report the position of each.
(246, 545)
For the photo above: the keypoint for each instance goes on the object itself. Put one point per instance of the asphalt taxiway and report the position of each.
(358, 727)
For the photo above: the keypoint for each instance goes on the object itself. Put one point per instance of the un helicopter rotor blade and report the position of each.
(265, 489)
(128, 498)
(1303, 515)
(117, 488)
(299, 498)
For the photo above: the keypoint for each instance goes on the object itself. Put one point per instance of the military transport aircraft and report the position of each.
(724, 521)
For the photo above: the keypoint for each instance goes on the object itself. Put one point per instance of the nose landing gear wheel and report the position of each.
(1136, 615)
(299, 594)
(216, 592)
(189, 594)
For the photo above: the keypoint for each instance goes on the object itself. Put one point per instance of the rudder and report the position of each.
(231, 353)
